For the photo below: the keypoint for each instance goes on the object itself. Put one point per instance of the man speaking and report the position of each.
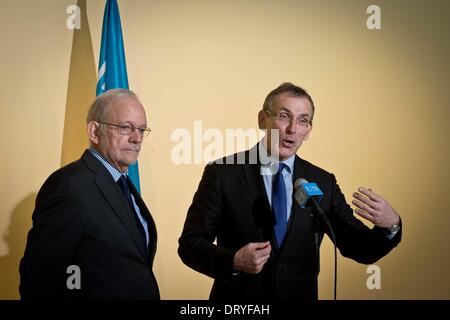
(265, 241)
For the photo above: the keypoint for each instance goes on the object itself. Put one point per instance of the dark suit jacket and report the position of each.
(231, 206)
(82, 218)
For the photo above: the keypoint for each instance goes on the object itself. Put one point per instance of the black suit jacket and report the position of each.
(82, 218)
(231, 206)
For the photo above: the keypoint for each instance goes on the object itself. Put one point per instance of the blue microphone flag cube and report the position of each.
(312, 190)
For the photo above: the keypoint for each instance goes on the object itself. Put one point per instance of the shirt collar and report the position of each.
(270, 167)
(111, 169)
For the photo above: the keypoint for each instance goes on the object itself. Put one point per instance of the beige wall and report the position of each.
(382, 114)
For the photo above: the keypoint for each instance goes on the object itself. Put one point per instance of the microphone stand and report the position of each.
(318, 215)
(316, 258)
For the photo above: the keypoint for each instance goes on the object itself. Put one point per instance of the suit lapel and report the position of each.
(299, 223)
(262, 213)
(147, 216)
(114, 197)
(299, 229)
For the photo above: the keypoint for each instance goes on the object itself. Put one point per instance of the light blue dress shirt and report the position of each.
(268, 171)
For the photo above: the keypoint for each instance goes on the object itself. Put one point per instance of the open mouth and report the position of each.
(287, 143)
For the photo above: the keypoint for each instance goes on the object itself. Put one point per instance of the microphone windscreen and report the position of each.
(299, 182)
(306, 190)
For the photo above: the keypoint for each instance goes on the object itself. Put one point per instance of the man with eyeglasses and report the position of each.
(246, 230)
(93, 236)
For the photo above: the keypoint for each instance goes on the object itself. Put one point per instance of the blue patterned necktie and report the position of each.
(123, 184)
(279, 203)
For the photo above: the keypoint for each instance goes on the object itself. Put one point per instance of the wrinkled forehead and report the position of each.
(293, 104)
(126, 109)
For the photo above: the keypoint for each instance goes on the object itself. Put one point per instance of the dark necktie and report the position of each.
(123, 184)
(279, 205)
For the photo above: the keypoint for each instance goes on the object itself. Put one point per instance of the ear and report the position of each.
(262, 120)
(93, 132)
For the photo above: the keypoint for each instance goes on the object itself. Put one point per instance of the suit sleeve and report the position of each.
(196, 248)
(353, 238)
(51, 242)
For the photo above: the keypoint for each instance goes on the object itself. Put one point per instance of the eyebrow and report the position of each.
(305, 115)
(128, 123)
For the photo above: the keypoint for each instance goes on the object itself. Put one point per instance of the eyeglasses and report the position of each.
(128, 130)
(286, 118)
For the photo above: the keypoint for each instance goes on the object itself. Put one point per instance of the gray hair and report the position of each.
(98, 109)
(290, 88)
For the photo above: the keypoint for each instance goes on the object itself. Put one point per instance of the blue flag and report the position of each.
(112, 68)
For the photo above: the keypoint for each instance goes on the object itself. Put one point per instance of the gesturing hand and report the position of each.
(375, 208)
(252, 257)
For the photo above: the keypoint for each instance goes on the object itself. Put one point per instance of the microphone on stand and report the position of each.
(309, 194)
